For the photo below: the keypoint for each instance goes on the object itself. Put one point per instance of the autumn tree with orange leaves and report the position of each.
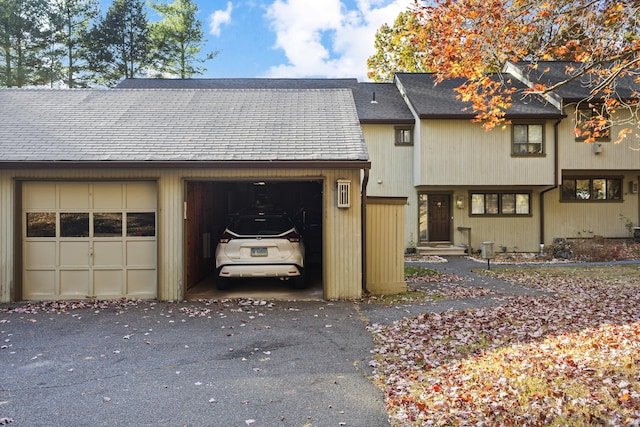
(468, 38)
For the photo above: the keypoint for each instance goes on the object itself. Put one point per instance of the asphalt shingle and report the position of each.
(389, 108)
(438, 100)
(550, 73)
(180, 125)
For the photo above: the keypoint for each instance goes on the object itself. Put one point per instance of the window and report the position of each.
(404, 135)
(74, 224)
(107, 224)
(591, 189)
(41, 224)
(527, 139)
(141, 224)
(592, 123)
(500, 203)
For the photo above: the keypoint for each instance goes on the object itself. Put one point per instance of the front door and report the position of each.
(439, 217)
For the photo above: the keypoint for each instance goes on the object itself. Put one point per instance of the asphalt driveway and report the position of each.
(226, 363)
(189, 364)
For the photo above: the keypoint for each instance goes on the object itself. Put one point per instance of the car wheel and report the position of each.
(223, 283)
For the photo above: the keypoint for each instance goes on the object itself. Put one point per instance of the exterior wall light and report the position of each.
(460, 202)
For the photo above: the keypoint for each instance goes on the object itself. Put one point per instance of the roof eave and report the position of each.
(508, 116)
(150, 164)
(387, 121)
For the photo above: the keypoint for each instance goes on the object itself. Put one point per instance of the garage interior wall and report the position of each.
(342, 252)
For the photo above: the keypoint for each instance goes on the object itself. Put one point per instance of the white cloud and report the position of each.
(326, 38)
(219, 18)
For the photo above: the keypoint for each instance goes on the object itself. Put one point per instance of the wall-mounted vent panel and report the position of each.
(344, 193)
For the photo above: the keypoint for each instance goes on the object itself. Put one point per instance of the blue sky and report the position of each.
(292, 38)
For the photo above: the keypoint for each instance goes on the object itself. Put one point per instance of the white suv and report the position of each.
(260, 245)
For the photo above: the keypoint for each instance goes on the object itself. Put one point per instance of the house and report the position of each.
(469, 185)
(520, 186)
(596, 184)
(122, 193)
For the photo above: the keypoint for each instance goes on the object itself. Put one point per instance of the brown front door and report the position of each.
(439, 213)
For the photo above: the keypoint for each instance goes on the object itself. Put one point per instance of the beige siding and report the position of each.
(578, 155)
(385, 246)
(343, 240)
(521, 234)
(584, 219)
(458, 152)
(391, 173)
(343, 233)
(7, 260)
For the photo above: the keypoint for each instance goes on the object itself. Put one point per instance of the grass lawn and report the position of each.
(572, 359)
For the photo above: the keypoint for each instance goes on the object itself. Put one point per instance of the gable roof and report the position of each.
(438, 101)
(550, 73)
(165, 125)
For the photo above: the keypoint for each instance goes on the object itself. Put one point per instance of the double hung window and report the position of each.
(527, 139)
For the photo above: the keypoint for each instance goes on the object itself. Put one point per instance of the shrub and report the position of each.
(561, 248)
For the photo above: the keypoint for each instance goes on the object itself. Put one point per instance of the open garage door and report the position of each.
(210, 205)
(89, 240)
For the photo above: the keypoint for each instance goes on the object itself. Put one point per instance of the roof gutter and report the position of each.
(154, 164)
(556, 165)
(363, 232)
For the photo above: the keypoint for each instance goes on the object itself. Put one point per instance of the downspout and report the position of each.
(363, 232)
(556, 164)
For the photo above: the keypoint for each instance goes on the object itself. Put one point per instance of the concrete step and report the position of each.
(442, 250)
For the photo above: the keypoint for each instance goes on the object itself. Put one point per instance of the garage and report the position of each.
(89, 240)
(124, 193)
(210, 205)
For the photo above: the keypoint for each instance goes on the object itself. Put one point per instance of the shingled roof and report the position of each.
(381, 103)
(388, 108)
(550, 73)
(236, 83)
(438, 101)
(195, 125)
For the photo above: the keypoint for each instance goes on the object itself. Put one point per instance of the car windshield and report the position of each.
(263, 225)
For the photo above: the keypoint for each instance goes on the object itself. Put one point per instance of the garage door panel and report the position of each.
(141, 253)
(141, 195)
(74, 283)
(39, 196)
(74, 254)
(107, 254)
(39, 284)
(108, 196)
(40, 254)
(139, 283)
(108, 283)
(74, 196)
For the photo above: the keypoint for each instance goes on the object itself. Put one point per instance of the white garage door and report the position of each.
(89, 240)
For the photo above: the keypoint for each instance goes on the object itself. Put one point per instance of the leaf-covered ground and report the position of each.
(426, 284)
(572, 359)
